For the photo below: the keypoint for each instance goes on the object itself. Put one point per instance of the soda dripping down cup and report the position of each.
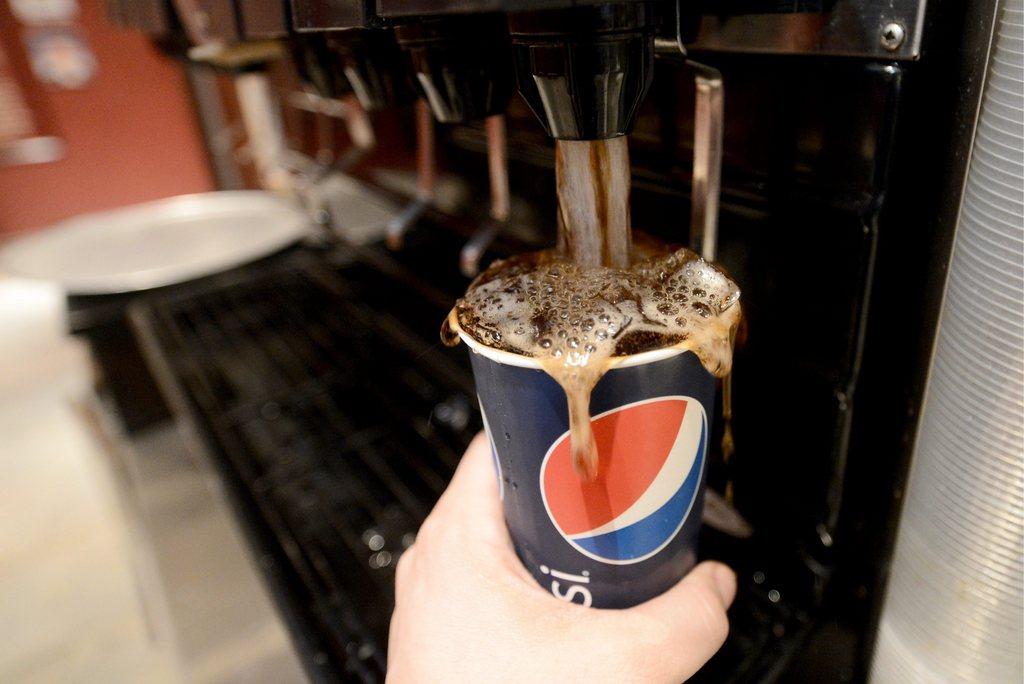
(630, 533)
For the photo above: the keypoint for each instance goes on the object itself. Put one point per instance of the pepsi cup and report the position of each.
(631, 533)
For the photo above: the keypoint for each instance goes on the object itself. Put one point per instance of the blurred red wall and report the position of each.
(131, 134)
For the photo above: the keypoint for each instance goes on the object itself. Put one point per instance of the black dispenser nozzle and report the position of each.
(318, 66)
(462, 63)
(585, 70)
(374, 66)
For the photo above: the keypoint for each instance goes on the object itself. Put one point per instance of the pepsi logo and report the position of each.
(651, 458)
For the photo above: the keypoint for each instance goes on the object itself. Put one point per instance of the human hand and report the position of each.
(467, 610)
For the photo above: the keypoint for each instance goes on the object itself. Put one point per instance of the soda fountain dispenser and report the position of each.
(820, 185)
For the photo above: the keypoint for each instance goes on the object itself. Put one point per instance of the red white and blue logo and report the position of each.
(652, 456)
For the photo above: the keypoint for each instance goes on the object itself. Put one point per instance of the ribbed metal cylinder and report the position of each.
(954, 611)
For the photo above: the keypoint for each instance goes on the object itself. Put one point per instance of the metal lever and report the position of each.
(707, 160)
(708, 123)
(497, 168)
(426, 174)
(262, 121)
(473, 250)
(707, 144)
(309, 174)
(708, 126)
(398, 226)
(325, 110)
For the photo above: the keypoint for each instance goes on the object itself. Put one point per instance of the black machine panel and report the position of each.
(263, 19)
(327, 15)
(862, 28)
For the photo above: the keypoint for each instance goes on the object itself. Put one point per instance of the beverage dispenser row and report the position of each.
(583, 69)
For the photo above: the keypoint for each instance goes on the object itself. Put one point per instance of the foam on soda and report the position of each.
(577, 322)
(603, 295)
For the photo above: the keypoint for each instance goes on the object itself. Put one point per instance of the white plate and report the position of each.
(157, 243)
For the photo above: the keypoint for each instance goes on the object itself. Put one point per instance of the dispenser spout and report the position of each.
(585, 70)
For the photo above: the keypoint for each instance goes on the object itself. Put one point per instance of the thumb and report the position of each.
(693, 613)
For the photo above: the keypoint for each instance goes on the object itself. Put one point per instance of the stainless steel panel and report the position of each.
(955, 604)
(881, 29)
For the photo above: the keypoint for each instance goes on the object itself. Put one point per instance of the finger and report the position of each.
(472, 493)
(471, 504)
(692, 613)
(404, 570)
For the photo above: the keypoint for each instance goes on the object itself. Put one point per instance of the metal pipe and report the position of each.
(473, 250)
(263, 128)
(497, 166)
(426, 164)
(426, 179)
(357, 124)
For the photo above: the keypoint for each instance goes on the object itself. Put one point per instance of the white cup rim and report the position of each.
(509, 359)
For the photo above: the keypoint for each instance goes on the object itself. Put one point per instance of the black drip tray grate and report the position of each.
(336, 418)
(338, 426)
